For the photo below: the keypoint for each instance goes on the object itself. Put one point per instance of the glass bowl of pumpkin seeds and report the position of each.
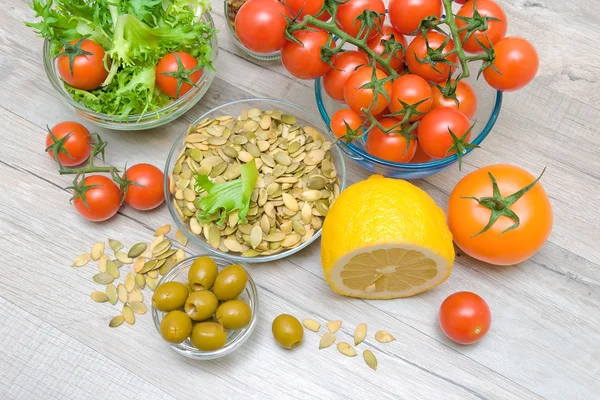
(252, 180)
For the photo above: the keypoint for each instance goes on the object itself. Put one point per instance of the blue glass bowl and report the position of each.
(488, 109)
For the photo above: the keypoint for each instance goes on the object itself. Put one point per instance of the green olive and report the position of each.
(176, 326)
(169, 296)
(234, 314)
(208, 336)
(202, 274)
(201, 305)
(288, 331)
(230, 282)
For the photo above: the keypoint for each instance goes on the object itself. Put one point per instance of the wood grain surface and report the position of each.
(545, 335)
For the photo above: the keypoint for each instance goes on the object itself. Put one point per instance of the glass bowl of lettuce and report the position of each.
(135, 36)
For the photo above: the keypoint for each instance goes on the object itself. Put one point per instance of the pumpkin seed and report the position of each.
(360, 334)
(291, 240)
(290, 202)
(384, 337)
(138, 264)
(153, 274)
(99, 297)
(346, 349)
(138, 307)
(137, 250)
(161, 247)
(81, 260)
(275, 237)
(119, 255)
(140, 281)
(116, 321)
(97, 251)
(115, 245)
(151, 282)
(311, 325)
(135, 295)
(166, 254)
(102, 261)
(128, 315)
(334, 326)
(111, 293)
(103, 278)
(163, 230)
(256, 236)
(370, 359)
(129, 282)
(122, 293)
(181, 238)
(112, 269)
(326, 340)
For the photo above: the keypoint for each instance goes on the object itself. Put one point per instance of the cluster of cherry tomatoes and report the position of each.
(440, 108)
(97, 197)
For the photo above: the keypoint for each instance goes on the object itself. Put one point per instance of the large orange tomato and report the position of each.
(500, 214)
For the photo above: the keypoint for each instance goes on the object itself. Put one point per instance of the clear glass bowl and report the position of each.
(234, 108)
(234, 338)
(276, 55)
(488, 109)
(135, 122)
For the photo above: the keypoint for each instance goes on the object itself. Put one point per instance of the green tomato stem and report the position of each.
(457, 42)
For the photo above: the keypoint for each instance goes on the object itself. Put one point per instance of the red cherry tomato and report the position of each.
(349, 11)
(410, 89)
(418, 48)
(88, 69)
(517, 60)
(434, 137)
(465, 317)
(344, 65)
(406, 15)
(146, 190)
(260, 25)
(76, 149)
(357, 98)
(306, 7)
(103, 199)
(467, 99)
(420, 156)
(304, 60)
(495, 31)
(376, 44)
(343, 117)
(168, 64)
(389, 145)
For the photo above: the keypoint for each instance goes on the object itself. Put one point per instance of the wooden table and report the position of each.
(545, 336)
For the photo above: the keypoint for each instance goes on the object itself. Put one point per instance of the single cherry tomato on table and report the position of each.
(418, 49)
(260, 25)
(96, 197)
(393, 145)
(344, 65)
(70, 141)
(376, 44)
(81, 64)
(342, 117)
(466, 99)
(516, 62)
(304, 60)
(145, 189)
(410, 89)
(349, 11)
(357, 98)
(306, 7)
(176, 73)
(434, 132)
(495, 31)
(465, 317)
(500, 214)
(406, 15)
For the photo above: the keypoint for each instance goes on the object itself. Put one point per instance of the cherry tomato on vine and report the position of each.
(342, 117)
(467, 99)
(349, 11)
(97, 198)
(410, 89)
(304, 60)
(73, 150)
(465, 317)
(390, 146)
(418, 49)
(306, 7)
(145, 187)
(168, 70)
(375, 43)
(81, 64)
(406, 15)
(434, 137)
(260, 25)
(495, 31)
(357, 98)
(420, 156)
(344, 65)
(517, 60)
(502, 243)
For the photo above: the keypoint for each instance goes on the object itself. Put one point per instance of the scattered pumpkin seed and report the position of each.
(138, 307)
(148, 266)
(122, 293)
(97, 251)
(153, 274)
(161, 247)
(81, 260)
(346, 349)
(135, 295)
(103, 278)
(138, 264)
(128, 315)
(112, 269)
(129, 282)
(360, 334)
(370, 359)
(111, 293)
(102, 261)
(99, 297)
(179, 255)
(119, 255)
(163, 230)
(311, 325)
(115, 245)
(137, 250)
(151, 282)
(181, 238)
(140, 281)
(327, 340)
(384, 337)
(116, 321)
(334, 326)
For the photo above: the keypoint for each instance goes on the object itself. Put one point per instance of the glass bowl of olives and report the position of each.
(205, 307)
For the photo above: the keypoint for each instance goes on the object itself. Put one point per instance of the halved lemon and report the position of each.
(385, 238)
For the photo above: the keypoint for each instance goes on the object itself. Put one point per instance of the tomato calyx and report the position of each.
(488, 57)
(500, 206)
(428, 24)
(182, 75)
(449, 89)
(80, 189)
(58, 146)
(124, 183)
(352, 134)
(73, 50)
(98, 148)
(408, 110)
(392, 47)
(436, 56)
(377, 86)
(475, 23)
(460, 145)
(369, 20)
(401, 128)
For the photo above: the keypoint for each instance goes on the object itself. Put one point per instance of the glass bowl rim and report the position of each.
(435, 164)
(131, 119)
(237, 342)
(238, 258)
